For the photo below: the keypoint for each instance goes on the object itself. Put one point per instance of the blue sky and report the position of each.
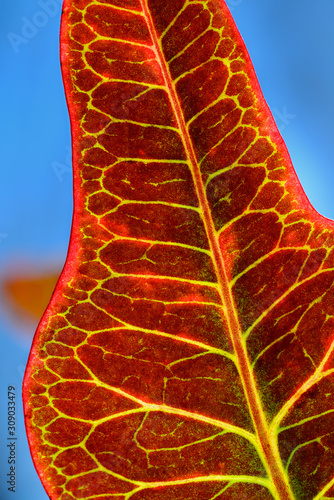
(291, 45)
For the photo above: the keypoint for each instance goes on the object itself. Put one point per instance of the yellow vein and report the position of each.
(186, 47)
(126, 201)
(314, 379)
(324, 490)
(171, 410)
(118, 237)
(305, 420)
(216, 477)
(284, 295)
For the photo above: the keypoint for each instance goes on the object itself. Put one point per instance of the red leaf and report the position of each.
(188, 349)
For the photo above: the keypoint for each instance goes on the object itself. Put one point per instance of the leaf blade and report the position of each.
(194, 278)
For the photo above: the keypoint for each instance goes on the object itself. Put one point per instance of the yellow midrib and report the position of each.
(270, 452)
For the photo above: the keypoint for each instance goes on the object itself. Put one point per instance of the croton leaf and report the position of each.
(187, 352)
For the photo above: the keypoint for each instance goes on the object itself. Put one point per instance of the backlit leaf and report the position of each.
(187, 352)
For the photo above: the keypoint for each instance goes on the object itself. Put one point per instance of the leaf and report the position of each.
(187, 351)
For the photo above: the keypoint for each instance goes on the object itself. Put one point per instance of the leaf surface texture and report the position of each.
(187, 351)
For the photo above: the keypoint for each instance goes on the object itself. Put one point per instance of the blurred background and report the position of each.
(291, 46)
